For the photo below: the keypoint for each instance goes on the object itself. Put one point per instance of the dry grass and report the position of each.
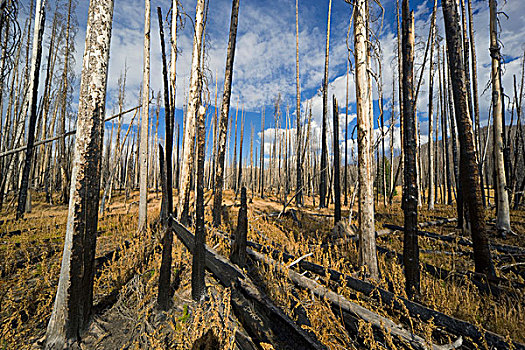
(27, 289)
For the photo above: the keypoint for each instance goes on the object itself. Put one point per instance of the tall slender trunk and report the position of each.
(36, 58)
(410, 190)
(194, 99)
(198, 288)
(324, 145)
(225, 111)
(469, 174)
(367, 241)
(475, 96)
(346, 134)
(143, 156)
(261, 175)
(167, 240)
(337, 170)
(74, 298)
(298, 141)
(431, 194)
(502, 208)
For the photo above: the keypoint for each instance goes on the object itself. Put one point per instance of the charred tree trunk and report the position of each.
(324, 145)
(337, 170)
(410, 190)
(36, 58)
(367, 241)
(225, 111)
(74, 297)
(469, 174)
(167, 241)
(198, 288)
(298, 140)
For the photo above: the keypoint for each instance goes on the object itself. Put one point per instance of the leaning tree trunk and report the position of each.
(191, 115)
(143, 155)
(469, 172)
(410, 190)
(367, 238)
(40, 16)
(74, 297)
(324, 145)
(225, 111)
(502, 208)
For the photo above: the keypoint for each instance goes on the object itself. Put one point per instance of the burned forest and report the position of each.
(255, 175)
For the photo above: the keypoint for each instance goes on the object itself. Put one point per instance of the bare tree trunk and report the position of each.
(143, 160)
(410, 190)
(239, 173)
(324, 145)
(40, 16)
(191, 115)
(261, 175)
(469, 174)
(431, 175)
(167, 241)
(198, 288)
(367, 240)
(475, 97)
(225, 110)
(502, 208)
(298, 168)
(74, 297)
(337, 170)
(346, 134)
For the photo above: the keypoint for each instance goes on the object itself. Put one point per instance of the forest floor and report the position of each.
(127, 275)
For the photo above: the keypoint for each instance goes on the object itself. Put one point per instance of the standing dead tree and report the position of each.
(74, 298)
(410, 189)
(194, 98)
(324, 145)
(367, 240)
(36, 58)
(225, 111)
(469, 172)
(143, 160)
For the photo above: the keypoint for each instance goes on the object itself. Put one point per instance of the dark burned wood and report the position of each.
(238, 253)
(450, 324)
(287, 335)
(356, 311)
(502, 248)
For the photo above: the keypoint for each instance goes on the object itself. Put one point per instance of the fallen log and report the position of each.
(441, 221)
(457, 327)
(502, 248)
(340, 302)
(260, 317)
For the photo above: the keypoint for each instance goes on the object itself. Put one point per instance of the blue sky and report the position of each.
(265, 56)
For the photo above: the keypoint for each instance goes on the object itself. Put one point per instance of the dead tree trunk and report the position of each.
(324, 145)
(469, 174)
(502, 208)
(431, 176)
(198, 288)
(191, 115)
(298, 167)
(337, 170)
(238, 253)
(225, 111)
(36, 58)
(167, 241)
(410, 190)
(74, 297)
(367, 241)
(143, 160)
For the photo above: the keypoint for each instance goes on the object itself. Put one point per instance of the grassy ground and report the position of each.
(30, 263)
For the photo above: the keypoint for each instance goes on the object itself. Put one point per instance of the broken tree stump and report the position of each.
(238, 253)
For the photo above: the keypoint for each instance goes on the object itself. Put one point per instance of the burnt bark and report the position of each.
(469, 172)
